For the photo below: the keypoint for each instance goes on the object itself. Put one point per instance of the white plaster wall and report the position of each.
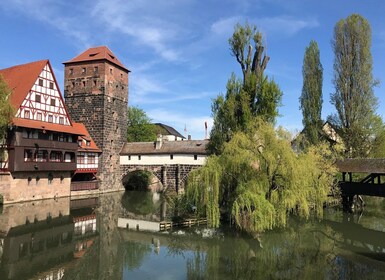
(162, 159)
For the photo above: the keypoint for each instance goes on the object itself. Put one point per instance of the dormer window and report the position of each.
(88, 143)
(80, 143)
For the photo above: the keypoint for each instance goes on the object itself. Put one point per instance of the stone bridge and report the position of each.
(172, 176)
(169, 161)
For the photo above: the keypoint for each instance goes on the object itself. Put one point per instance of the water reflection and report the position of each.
(80, 239)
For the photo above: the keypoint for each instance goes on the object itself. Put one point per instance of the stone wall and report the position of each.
(27, 186)
(173, 176)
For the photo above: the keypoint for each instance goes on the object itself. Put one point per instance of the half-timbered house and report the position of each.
(42, 143)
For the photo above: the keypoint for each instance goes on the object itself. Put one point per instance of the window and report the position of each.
(81, 159)
(71, 71)
(95, 83)
(61, 120)
(139, 157)
(80, 142)
(27, 155)
(41, 156)
(55, 156)
(88, 143)
(26, 114)
(121, 75)
(96, 70)
(41, 82)
(91, 159)
(195, 157)
(38, 98)
(84, 70)
(171, 157)
(111, 71)
(129, 157)
(53, 102)
(50, 118)
(69, 157)
(84, 83)
(39, 116)
(51, 85)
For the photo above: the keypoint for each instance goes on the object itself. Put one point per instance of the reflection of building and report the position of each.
(42, 142)
(45, 247)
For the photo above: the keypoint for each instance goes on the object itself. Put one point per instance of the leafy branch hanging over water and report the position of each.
(258, 180)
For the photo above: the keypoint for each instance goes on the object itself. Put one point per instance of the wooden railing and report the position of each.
(84, 185)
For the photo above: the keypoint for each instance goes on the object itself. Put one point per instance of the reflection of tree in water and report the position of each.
(135, 253)
(303, 252)
(140, 203)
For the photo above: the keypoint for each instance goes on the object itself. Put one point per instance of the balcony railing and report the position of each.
(84, 185)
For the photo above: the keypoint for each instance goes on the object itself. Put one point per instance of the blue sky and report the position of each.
(178, 50)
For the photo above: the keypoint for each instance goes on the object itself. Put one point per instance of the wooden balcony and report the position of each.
(84, 185)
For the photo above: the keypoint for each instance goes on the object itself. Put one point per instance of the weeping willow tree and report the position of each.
(258, 180)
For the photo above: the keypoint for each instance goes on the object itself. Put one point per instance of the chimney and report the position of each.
(189, 137)
(159, 142)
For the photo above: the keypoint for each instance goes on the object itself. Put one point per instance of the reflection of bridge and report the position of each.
(169, 161)
(356, 238)
(373, 184)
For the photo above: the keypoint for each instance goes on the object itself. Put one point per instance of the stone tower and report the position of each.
(96, 94)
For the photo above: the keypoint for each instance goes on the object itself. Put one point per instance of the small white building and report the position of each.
(168, 133)
(189, 152)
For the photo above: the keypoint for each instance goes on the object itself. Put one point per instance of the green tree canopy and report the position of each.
(311, 97)
(6, 110)
(353, 98)
(139, 127)
(258, 180)
(253, 95)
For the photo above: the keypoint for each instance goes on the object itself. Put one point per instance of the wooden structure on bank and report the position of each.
(141, 225)
(373, 184)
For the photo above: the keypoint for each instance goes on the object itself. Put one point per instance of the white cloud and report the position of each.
(285, 25)
(225, 26)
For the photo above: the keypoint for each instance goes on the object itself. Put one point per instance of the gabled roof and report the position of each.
(197, 147)
(45, 126)
(97, 53)
(168, 130)
(21, 78)
(85, 136)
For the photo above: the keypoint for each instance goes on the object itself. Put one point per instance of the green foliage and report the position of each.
(311, 97)
(258, 180)
(6, 110)
(139, 127)
(138, 180)
(254, 95)
(353, 98)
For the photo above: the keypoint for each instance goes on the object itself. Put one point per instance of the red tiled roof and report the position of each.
(97, 53)
(86, 136)
(21, 78)
(46, 126)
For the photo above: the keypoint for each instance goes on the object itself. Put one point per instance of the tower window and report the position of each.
(71, 71)
(96, 70)
(84, 70)
(94, 83)
(84, 83)
(110, 70)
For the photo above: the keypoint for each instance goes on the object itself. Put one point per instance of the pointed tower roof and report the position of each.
(21, 78)
(97, 53)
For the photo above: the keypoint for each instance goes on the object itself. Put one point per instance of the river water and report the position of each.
(80, 239)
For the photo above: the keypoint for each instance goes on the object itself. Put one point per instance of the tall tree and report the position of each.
(6, 110)
(139, 127)
(253, 95)
(311, 97)
(353, 98)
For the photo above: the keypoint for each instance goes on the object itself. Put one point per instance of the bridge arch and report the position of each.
(170, 176)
